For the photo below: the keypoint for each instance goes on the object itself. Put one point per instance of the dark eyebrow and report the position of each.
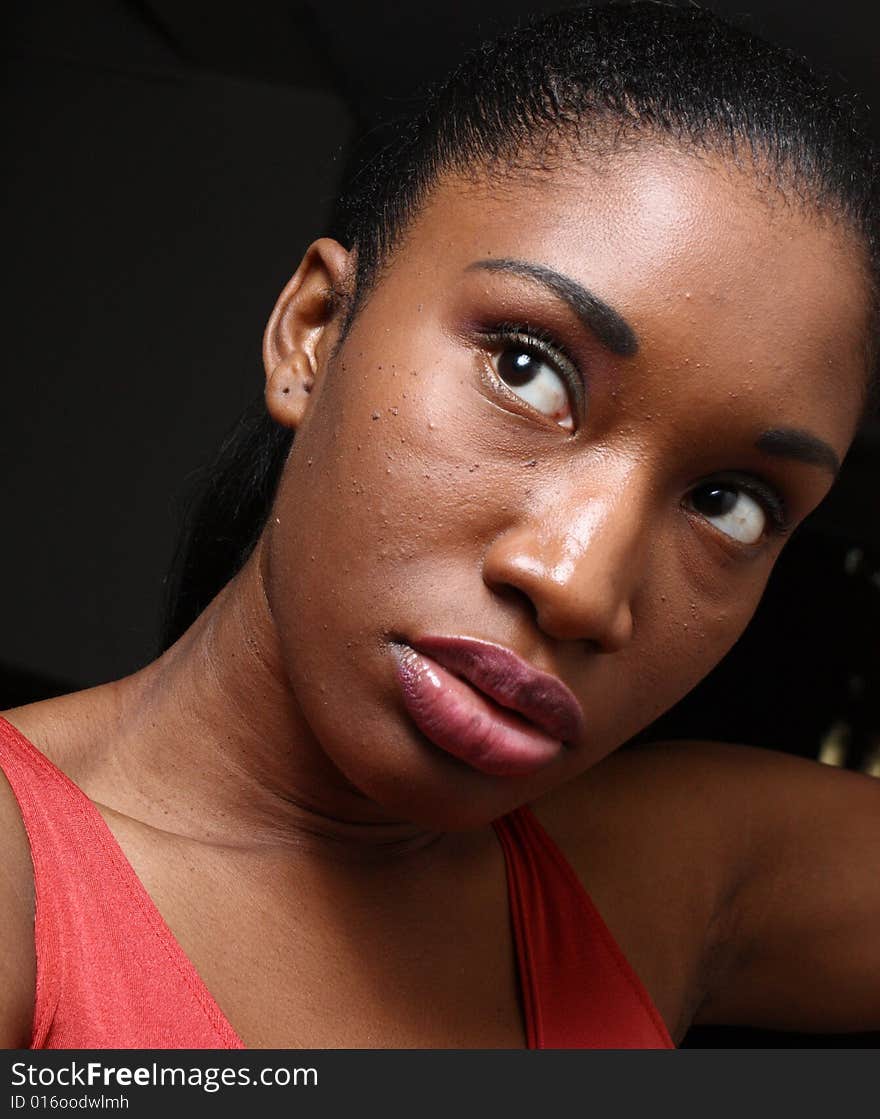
(612, 330)
(616, 334)
(791, 442)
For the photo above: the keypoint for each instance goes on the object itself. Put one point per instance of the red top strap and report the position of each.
(579, 991)
(110, 974)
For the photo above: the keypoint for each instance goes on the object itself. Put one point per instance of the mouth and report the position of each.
(485, 705)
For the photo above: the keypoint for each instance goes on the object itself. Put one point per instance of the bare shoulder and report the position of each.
(17, 955)
(666, 794)
(683, 846)
(640, 832)
(653, 802)
(735, 798)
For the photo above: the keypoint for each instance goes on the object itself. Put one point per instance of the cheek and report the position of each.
(685, 637)
(382, 513)
(378, 531)
(689, 610)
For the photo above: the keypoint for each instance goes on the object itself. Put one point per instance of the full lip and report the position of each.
(510, 681)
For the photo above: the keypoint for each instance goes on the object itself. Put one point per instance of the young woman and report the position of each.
(602, 331)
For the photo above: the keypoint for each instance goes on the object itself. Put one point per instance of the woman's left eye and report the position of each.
(525, 368)
(731, 510)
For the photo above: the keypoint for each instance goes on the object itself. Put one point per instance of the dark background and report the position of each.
(167, 164)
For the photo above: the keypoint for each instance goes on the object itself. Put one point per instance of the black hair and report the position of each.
(585, 80)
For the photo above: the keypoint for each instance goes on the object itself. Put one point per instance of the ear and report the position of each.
(308, 306)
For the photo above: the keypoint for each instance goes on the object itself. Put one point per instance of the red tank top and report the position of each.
(111, 975)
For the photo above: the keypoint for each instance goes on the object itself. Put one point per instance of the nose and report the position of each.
(579, 565)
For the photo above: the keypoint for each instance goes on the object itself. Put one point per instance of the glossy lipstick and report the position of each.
(485, 705)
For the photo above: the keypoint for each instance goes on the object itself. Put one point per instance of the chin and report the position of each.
(439, 793)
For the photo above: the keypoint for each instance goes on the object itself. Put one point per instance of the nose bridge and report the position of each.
(579, 554)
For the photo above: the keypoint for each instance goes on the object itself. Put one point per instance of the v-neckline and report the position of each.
(160, 928)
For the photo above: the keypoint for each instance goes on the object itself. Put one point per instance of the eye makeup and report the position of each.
(540, 343)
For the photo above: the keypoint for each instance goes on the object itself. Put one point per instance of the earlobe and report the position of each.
(288, 388)
(292, 341)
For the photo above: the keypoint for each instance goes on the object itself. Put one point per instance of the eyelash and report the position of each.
(541, 343)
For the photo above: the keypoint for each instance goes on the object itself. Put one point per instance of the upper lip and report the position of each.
(509, 680)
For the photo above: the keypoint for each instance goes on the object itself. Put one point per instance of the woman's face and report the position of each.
(576, 418)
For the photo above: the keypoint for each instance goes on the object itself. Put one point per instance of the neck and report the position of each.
(209, 742)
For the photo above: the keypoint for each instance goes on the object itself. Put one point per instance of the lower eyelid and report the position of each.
(731, 545)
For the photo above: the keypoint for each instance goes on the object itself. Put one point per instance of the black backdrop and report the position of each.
(167, 164)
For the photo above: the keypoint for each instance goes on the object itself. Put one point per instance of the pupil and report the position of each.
(516, 366)
(715, 501)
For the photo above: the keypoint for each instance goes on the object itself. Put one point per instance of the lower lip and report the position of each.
(468, 725)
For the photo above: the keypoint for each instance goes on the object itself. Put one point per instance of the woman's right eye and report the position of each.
(525, 367)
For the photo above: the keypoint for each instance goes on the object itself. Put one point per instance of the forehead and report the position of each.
(712, 265)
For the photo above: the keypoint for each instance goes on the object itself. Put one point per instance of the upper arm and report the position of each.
(798, 939)
(17, 955)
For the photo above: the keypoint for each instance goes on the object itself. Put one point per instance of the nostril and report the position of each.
(516, 598)
(569, 595)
